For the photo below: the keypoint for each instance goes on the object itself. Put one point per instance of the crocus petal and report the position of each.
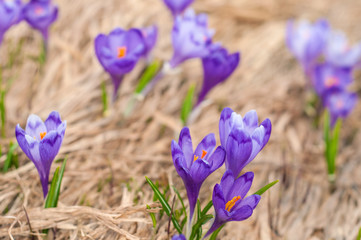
(177, 155)
(224, 125)
(35, 126)
(241, 186)
(179, 237)
(239, 148)
(251, 201)
(53, 121)
(241, 213)
(20, 137)
(207, 144)
(260, 138)
(185, 143)
(227, 181)
(61, 129)
(250, 121)
(218, 197)
(217, 158)
(200, 170)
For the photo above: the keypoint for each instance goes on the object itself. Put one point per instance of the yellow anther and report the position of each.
(230, 204)
(122, 51)
(195, 158)
(42, 135)
(204, 153)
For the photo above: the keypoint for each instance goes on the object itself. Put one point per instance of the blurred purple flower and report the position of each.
(119, 52)
(306, 41)
(340, 104)
(195, 167)
(177, 6)
(179, 237)
(230, 201)
(339, 53)
(327, 77)
(10, 14)
(41, 142)
(150, 35)
(217, 67)
(242, 138)
(191, 37)
(40, 15)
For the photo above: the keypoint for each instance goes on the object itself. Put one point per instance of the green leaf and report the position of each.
(265, 188)
(206, 208)
(333, 146)
(184, 209)
(104, 98)
(9, 157)
(149, 73)
(359, 235)
(187, 104)
(165, 204)
(152, 215)
(215, 233)
(2, 112)
(53, 194)
(199, 224)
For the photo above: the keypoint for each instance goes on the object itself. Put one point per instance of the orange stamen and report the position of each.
(204, 153)
(42, 135)
(195, 158)
(230, 204)
(331, 81)
(122, 51)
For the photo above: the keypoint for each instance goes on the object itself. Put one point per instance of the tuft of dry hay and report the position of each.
(104, 192)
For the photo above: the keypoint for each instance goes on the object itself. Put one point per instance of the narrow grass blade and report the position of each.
(149, 73)
(152, 215)
(2, 112)
(165, 204)
(187, 104)
(199, 224)
(104, 98)
(359, 235)
(265, 188)
(206, 208)
(184, 209)
(9, 157)
(53, 195)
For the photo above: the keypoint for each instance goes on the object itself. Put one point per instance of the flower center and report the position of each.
(42, 135)
(230, 204)
(339, 104)
(122, 51)
(331, 81)
(39, 10)
(204, 153)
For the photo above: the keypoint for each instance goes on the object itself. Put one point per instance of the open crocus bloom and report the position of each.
(340, 104)
(306, 41)
(195, 167)
(41, 142)
(191, 37)
(326, 77)
(230, 201)
(339, 53)
(40, 15)
(217, 67)
(119, 52)
(242, 138)
(10, 14)
(177, 6)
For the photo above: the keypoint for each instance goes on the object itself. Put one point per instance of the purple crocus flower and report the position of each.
(40, 15)
(339, 53)
(306, 41)
(242, 138)
(150, 35)
(340, 104)
(230, 201)
(179, 237)
(41, 142)
(217, 67)
(10, 14)
(195, 167)
(119, 52)
(327, 76)
(177, 6)
(191, 37)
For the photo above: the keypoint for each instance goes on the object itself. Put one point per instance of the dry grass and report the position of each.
(104, 192)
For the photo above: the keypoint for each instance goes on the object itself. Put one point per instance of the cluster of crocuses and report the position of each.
(328, 61)
(39, 14)
(119, 51)
(241, 140)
